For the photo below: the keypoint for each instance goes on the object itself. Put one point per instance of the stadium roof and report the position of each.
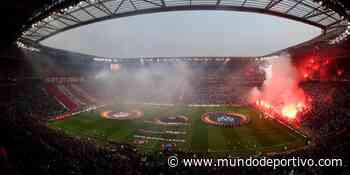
(90, 11)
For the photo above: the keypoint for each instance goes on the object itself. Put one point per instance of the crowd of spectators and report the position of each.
(25, 136)
(31, 98)
(32, 147)
(222, 85)
(329, 112)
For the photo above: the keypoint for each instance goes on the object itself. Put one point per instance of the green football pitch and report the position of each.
(258, 136)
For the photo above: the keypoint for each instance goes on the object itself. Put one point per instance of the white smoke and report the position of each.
(159, 83)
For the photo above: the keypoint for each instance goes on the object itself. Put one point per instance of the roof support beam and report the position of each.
(163, 3)
(68, 19)
(323, 18)
(104, 7)
(59, 20)
(48, 27)
(34, 38)
(55, 18)
(73, 17)
(188, 8)
(45, 29)
(132, 3)
(118, 7)
(34, 32)
(99, 8)
(87, 12)
(272, 3)
(333, 24)
(312, 12)
(243, 3)
(317, 13)
(156, 4)
(307, 5)
(296, 4)
(35, 35)
(51, 26)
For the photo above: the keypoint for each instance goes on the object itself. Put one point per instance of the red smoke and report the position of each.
(316, 67)
(280, 93)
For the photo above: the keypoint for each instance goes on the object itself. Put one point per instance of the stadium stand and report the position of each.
(57, 153)
(32, 90)
(53, 90)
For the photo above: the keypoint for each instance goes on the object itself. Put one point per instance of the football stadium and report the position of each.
(175, 87)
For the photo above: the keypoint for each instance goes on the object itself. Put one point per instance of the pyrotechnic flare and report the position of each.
(280, 92)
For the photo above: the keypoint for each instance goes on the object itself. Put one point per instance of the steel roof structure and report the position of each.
(90, 11)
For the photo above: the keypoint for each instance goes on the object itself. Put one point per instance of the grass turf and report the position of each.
(258, 136)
